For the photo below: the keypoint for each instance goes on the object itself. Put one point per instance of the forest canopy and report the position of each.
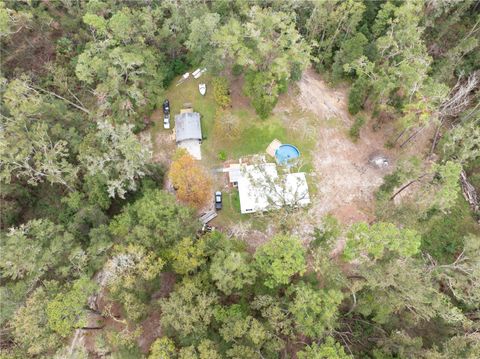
(102, 251)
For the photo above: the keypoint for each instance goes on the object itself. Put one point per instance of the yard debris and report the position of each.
(207, 217)
(469, 193)
(378, 160)
(198, 72)
(184, 77)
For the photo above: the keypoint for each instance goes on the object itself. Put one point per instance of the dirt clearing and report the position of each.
(163, 140)
(346, 181)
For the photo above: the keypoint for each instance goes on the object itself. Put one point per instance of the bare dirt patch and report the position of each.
(239, 100)
(163, 141)
(252, 237)
(325, 102)
(151, 326)
(346, 181)
(151, 330)
(30, 51)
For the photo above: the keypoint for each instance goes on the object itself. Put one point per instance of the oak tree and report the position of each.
(192, 183)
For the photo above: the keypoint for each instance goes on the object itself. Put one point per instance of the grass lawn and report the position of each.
(231, 209)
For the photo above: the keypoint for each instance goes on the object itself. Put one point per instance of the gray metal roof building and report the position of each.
(187, 127)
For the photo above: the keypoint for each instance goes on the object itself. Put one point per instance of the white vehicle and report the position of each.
(166, 114)
(166, 122)
(203, 89)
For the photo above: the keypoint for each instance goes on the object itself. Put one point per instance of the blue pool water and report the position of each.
(286, 153)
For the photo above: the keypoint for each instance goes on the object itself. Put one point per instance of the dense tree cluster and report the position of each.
(83, 215)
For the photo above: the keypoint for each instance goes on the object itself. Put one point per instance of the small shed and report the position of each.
(188, 132)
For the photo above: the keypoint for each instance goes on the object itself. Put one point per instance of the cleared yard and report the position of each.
(252, 136)
(346, 181)
(311, 116)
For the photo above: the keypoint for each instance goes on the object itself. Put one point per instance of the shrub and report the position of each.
(358, 95)
(222, 155)
(237, 70)
(354, 131)
(227, 125)
(282, 86)
(328, 231)
(390, 181)
(64, 46)
(296, 72)
(221, 92)
(173, 68)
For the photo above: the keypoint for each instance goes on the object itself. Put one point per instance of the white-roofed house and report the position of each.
(261, 189)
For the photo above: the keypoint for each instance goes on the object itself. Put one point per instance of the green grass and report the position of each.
(230, 213)
(256, 138)
(188, 92)
(231, 208)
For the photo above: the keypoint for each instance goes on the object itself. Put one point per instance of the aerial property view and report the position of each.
(240, 179)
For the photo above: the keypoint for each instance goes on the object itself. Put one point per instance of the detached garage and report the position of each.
(188, 133)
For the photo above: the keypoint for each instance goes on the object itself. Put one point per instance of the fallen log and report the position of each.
(406, 186)
(469, 193)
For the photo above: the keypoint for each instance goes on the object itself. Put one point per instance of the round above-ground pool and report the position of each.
(285, 154)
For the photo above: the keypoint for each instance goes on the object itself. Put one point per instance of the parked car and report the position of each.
(218, 200)
(166, 122)
(166, 114)
(166, 107)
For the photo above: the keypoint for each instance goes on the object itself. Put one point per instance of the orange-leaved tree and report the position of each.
(191, 181)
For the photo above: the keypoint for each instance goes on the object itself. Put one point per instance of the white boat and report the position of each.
(203, 89)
